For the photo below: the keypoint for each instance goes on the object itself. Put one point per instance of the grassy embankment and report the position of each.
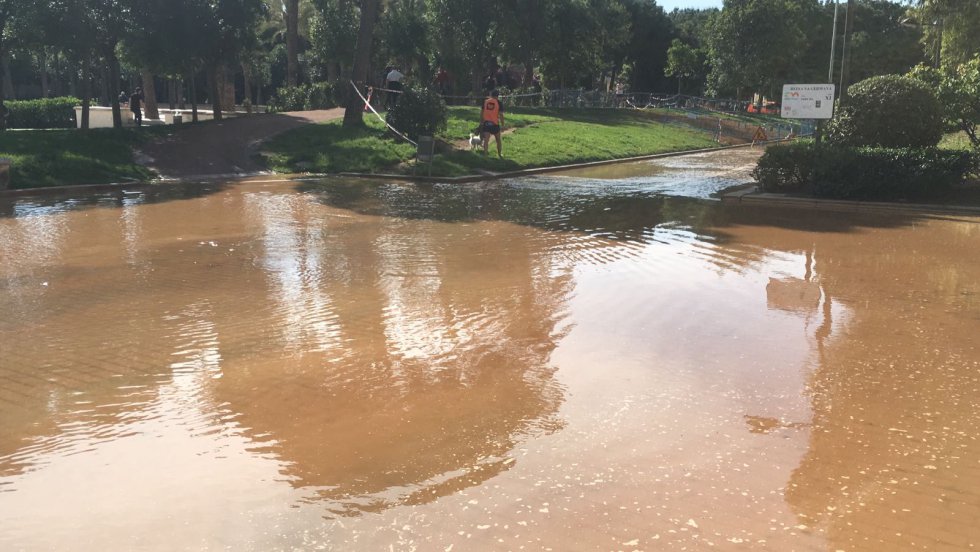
(956, 140)
(43, 158)
(538, 138)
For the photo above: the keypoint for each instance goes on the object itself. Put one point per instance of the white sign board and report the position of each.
(808, 101)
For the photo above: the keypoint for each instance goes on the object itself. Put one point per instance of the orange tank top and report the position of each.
(491, 111)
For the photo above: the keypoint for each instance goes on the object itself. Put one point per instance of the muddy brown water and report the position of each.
(546, 364)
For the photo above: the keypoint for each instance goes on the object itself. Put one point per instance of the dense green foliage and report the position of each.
(47, 113)
(306, 97)
(419, 112)
(951, 28)
(542, 138)
(63, 157)
(889, 111)
(865, 173)
(749, 46)
(958, 90)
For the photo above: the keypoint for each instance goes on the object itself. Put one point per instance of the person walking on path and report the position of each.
(135, 105)
(492, 118)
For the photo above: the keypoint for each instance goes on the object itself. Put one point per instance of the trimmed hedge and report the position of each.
(307, 97)
(419, 112)
(889, 111)
(43, 113)
(866, 173)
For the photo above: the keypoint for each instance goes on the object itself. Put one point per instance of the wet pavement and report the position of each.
(557, 363)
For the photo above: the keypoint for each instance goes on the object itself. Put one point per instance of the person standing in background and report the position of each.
(136, 105)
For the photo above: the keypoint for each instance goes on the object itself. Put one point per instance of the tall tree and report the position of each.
(333, 36)
(292, 42)
(353, 115)
(951, 29)
(229, 30)
(754, 44)
(683, 62)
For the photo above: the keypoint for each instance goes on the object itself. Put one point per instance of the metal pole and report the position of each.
(845, 66)
(833, 43)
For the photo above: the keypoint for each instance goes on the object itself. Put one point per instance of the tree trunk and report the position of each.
(213, 91)
(44, 73)
(180, 93)
(105, 97)
(226, 87)
(247, 88)
(8, 83)
(292, 42)
(193, 76)
(353, 115)
(117, 121)
(171, 92)
(72, 81)
(150, 96)
(86, 86)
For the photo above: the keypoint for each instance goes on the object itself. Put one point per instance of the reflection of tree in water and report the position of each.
(423, 357)
(892, 456)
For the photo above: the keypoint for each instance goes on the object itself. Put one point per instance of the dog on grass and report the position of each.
(475, 141)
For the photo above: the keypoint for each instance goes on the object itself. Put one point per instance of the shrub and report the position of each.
(43, 113)
(419, 112)
(306, 97)
(869, 173)
(889, 111)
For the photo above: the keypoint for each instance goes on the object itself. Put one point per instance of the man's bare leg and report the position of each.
(497, 136)
(485, 137)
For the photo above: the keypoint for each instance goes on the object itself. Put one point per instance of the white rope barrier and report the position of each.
(380, 118)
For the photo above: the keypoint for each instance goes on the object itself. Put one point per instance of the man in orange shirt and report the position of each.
(492, 118)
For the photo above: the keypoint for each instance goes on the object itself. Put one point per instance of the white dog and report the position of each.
(475, 141)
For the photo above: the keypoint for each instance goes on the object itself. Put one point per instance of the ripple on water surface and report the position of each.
(553, 362)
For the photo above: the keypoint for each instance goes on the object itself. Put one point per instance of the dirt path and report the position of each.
(224, 147)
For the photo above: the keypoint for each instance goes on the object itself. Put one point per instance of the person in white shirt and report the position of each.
(394, 85)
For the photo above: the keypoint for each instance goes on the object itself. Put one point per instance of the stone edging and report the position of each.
(752, 196)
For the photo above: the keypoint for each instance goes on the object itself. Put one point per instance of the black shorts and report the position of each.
(492, 128)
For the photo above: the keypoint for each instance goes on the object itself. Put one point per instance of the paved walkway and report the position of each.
(224, 147)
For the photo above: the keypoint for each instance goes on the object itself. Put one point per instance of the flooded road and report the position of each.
(545, 364)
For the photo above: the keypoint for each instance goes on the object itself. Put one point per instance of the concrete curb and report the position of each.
(752, 196)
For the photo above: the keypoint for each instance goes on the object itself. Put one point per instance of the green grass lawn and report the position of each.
(43, 158)
(956, 140)
(542, 137)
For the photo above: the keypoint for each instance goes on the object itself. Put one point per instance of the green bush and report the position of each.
(419, 112)
(889, 111)
(865, 173)
(306, 97)
(43, 113)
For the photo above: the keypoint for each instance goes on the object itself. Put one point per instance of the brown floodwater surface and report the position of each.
(540, 364)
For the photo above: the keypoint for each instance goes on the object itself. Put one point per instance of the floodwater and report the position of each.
(543, 364)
